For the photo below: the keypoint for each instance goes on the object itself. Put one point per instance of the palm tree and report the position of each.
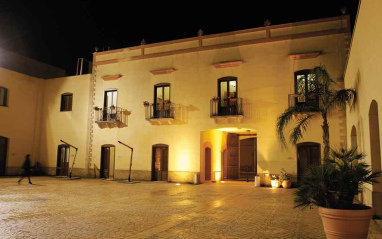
(321, 99)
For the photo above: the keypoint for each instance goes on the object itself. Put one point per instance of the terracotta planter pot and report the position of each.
(345, 223)
(286, 184)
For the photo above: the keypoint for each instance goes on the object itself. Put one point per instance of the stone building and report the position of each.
(204, 106)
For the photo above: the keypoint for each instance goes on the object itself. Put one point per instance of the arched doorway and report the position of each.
(353, 138)
(375, 146)
(3, 154)
(308, 154)
(207, 164)
(107, 161)
(63, 155)
(159, 168)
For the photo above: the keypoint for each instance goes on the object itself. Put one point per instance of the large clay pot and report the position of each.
(346, 223)
(286, 183)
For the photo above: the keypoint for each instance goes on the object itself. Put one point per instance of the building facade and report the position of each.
(364, 73)
(204, 106)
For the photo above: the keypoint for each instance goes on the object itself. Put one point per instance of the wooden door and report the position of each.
(3, 154)
(207, 163)
(160, 163)
(105, 162)
(308, 154)
(232, 165)
(63, 154)
(247, 155)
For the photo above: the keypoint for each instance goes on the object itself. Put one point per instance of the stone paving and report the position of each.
(95, 208)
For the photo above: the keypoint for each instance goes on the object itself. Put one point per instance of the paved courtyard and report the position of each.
(94, 208)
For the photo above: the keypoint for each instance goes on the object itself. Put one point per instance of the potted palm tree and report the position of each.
(285, 179)
(333, 187)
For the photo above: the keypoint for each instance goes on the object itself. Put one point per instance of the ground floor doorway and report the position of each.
(159, 163)
(107, 161)
(308, 154)
(3, 154)
(63, 155)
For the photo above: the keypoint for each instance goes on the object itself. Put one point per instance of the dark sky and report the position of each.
(59, 32)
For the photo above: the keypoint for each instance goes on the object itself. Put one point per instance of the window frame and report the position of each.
(5, 100)
(308, 100)
(63, 105)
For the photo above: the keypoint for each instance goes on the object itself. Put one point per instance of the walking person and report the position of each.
(27, 169)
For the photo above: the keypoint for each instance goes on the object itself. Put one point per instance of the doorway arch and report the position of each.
(107, 165)
(308, 154)
(159, 166)
(207, 164)
(375, 146)
(3, 154)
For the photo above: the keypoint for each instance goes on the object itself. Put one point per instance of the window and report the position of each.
(305, 87)
(162, 102)
(110, 105)
(66, 102)
(3, 96)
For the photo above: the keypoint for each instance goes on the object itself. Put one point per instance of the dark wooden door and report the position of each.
(232, 168)
(63, 154)
(308, 154)
(3, 154)
(207, 163)
(247, 155)
(160, 163)
(105, 162)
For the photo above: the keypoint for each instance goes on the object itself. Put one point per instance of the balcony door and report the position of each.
(63, 155)
(227, 93)
(3, 154)
(162, 101)
(110, 105)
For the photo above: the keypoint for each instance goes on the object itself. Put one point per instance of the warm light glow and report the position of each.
(275, 183)
(236, 129)
(222, 181)
(177, 184)
(218, 175)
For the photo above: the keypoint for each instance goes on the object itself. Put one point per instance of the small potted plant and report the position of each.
(232, 98)
(112, 107)
(215, 99)
(146, 104)
(285, 179)
(275, 182)
(333, 187)
(167, 102)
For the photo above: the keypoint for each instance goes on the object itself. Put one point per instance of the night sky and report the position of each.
(59, 32)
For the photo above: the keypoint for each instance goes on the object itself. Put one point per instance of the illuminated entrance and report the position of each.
(228, 154)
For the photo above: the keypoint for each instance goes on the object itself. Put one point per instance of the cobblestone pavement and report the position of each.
(90, 208)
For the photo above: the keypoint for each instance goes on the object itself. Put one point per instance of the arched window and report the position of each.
(353, 137)
(3, 96)
(66, 102)
(305, 87)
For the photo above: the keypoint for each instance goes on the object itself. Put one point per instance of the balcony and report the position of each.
(226, 108)
(159, 112)
(109, 115)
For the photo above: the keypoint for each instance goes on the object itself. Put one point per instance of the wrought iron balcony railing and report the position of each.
(159, 111)
(108, 114)
(226, 107)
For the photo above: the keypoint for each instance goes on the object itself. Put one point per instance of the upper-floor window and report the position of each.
(227, 89)
(162, 100)
(66, 102)
(3, 96)
(305, 87)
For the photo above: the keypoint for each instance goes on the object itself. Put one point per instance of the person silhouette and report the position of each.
(27, 169)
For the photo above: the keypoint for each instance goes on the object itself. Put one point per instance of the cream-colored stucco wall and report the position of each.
(70, 126)
(364, 72)
(20, 121)
(264, 82)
